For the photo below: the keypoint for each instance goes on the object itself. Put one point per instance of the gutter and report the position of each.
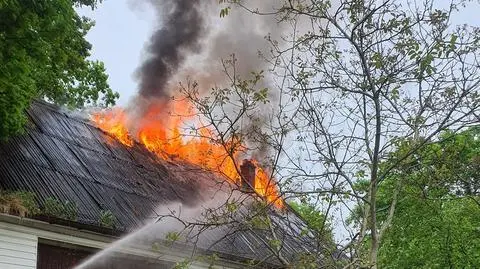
(46, 231)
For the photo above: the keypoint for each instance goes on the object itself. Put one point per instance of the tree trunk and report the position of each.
(374, 183)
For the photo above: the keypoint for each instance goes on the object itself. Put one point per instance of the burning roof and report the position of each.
(67, 158)
(159, 131)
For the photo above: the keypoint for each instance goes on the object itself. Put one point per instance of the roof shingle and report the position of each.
(65, 157)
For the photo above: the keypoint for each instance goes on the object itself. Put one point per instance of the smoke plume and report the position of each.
(180, 34)
(190, 44)
(193, 39)
(241, 33)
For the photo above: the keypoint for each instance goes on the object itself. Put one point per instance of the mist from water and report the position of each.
(153, 238)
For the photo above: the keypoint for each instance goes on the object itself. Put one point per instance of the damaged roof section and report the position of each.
(63, 156)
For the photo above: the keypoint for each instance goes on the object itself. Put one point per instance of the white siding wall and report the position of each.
(17, 250)
(18, 244)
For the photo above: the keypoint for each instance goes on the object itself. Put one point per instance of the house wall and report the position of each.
(17, 250)
(19, 240)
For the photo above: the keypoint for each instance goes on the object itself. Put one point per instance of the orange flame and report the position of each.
(159, 131)
(114, 122)
(265, 186)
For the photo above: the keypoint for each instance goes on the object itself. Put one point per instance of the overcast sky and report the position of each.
(118, 38)
(122, 28)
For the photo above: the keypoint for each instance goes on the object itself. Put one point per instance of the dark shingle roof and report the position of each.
(63, 156)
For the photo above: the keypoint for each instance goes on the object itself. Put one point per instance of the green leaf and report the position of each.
(224, 12)
(44, 54)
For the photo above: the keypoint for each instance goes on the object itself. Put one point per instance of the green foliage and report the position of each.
(90, 3)
(28, 201)
(259, 222)
(107, 219)
(224, 11)
(315, 220)
(259, 218)
(275, 244)
(156, 246)
(55, 208)
(172, 237)
(250, 263)
(232, 206)
(433, 234)
(23, 203)
(43, 54)
(305, 261)
(71, 210)
(210, 259)
(437, 220)
(19, 203)
(185, 264)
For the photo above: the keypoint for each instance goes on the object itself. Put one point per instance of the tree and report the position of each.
(44, 54)
(315, 220)
(319, 225)
(354, 79)
(438, 213)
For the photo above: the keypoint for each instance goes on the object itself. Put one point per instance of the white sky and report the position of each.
(118, 38)
(122, 28)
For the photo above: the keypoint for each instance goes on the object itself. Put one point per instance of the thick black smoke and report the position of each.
(181, 33)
